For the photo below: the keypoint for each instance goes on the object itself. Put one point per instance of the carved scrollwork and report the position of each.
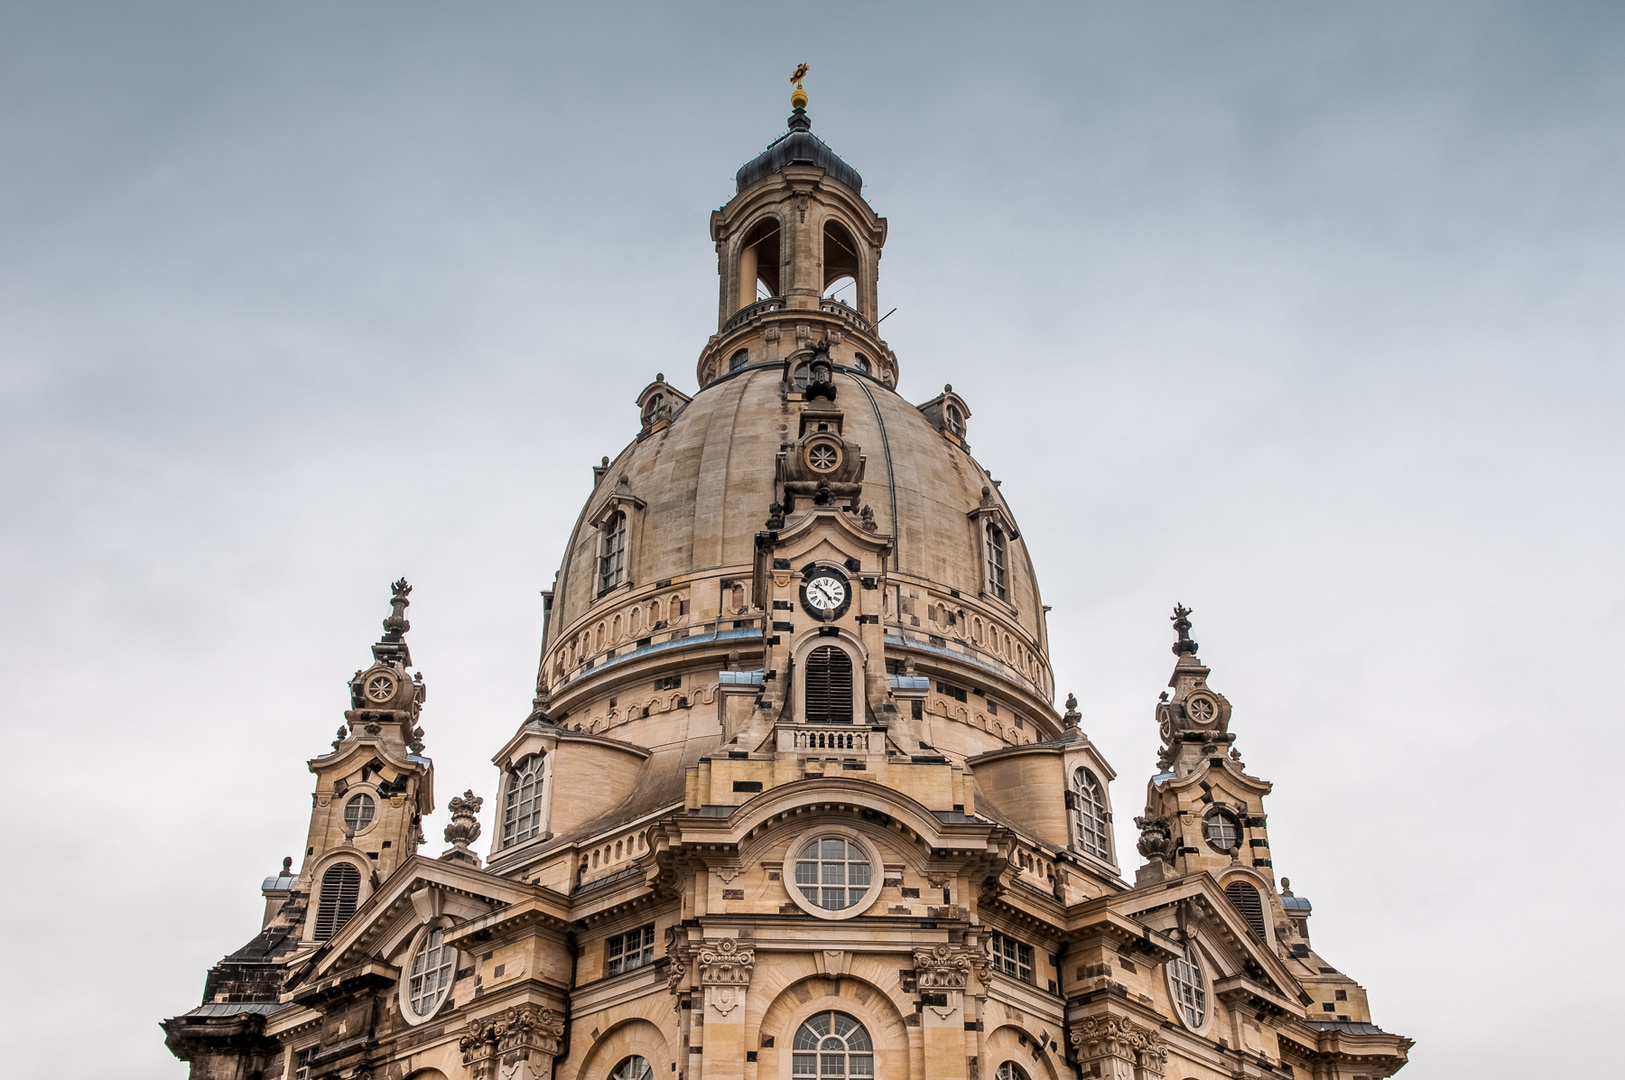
(516, 1039)
(1104, 1038)
(942, 967)
(727, 964)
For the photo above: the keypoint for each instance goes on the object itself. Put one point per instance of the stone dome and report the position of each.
(699, 487)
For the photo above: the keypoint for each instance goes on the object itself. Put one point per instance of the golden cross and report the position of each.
(798, 74)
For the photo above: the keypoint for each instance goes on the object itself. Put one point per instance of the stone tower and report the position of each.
(793, 800)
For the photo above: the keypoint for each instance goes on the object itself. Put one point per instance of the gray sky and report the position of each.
(1308, 315)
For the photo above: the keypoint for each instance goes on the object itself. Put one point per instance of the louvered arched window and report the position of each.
(1089, 814)
(827, 686)
(612, 555)
(1248, 902)
(341, 889)
(522, 815)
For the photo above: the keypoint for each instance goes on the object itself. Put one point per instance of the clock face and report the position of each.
(826, 594)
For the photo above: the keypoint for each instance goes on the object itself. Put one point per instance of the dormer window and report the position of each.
(954, 421)
(654, 409)
(998, 558)
(522, 815)
(612, 552)
(1089, 814)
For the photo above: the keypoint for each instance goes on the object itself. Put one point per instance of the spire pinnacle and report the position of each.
(798, 96)
(1182, 626)
(392, 646)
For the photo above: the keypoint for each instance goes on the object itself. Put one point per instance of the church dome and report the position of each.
(798, 146)
(695, 492)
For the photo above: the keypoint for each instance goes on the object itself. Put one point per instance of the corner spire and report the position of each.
(1182, 627)
(392, 646)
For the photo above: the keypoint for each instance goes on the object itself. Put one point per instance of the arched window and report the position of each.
(841, 262)
(998, 557)
(955, 421)
(861, 362)
(432, 968)
(1247, 901)
(1187, 988)
(654, 410)
(827, 686)
(632, 1068)
(802, 375)
(522, 816)
(1089, 814)
(341, 889)
(832, 1046)
(612, 558)
(759, 262)
(1011, 1071)
(740, 359)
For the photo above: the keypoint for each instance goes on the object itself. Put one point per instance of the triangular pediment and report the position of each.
(1196, 906)
(422, 889)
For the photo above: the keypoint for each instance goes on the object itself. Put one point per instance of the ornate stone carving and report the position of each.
(464, 828)
(942, 968)
(519, 1044)
(727, 964)
(1156, 838)
(1116, 1048)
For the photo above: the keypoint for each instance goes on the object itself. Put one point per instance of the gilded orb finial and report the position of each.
(798, 96)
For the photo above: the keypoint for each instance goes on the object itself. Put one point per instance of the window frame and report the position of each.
(621, 949)
(447, 959)
(514, 802)
(996, 561)
(877, 872)
(354, 798)
(1102, 817)
(1010, 1070)
(1010, 956)
(612, 537)
(622, 1070)
(1229, 819)
(1188, 988)
(339, 917)
(816, 1046)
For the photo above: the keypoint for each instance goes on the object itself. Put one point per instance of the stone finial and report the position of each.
(1073, 717)
(396, 624)
(868, 518)
(1182, 626)
(1156, 838)
(464, 828)
(287, 866)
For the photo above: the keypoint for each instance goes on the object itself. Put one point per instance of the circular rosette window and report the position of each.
(833, 874)
(823, 456)
(1202, 709)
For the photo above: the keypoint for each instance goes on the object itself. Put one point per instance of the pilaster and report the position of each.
(725, 971)
(519, 1044)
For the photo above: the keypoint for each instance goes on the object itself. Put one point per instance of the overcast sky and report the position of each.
(1307, 315)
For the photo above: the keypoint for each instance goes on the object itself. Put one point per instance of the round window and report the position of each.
(434, 963)
(358, 812)
(1186, 987)
(1223, 832)
(380, 687)
(834, 876)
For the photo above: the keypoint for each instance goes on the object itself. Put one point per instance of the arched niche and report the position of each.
(759, 260)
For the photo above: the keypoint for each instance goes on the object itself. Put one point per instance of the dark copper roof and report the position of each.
(798, 146)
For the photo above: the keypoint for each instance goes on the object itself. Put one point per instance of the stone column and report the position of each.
(940, 975)
(725, 972)
(519, 1044)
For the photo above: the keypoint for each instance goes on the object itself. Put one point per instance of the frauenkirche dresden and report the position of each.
(794, 800)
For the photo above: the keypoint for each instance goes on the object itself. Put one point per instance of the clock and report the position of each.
(825, 593)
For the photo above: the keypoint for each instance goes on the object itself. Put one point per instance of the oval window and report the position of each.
(433, 966)
(358, 812)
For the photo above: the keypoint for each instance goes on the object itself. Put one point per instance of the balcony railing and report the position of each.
(836, 739)
(846, 313)
(752, 311)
